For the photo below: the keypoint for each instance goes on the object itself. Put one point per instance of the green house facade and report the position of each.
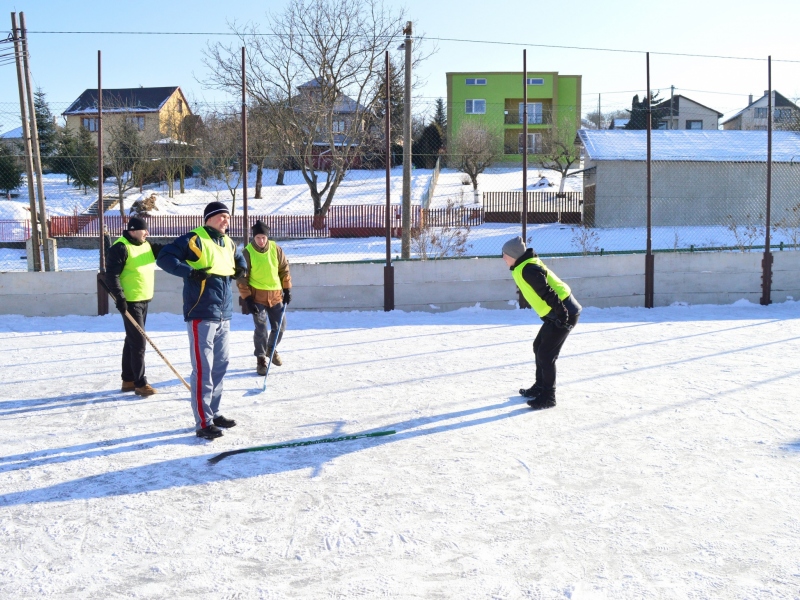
(495, 99)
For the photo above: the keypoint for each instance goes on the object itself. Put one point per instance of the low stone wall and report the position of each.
(601, 281)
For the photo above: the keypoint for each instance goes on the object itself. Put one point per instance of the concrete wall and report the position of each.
(692, 193)
(601, 281)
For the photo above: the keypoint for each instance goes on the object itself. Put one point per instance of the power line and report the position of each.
(437, 39)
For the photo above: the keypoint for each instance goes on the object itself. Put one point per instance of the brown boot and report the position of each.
(145, 390)
(127, 386)
(276, 359)
(261, 367)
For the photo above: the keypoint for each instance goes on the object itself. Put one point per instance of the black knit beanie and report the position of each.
(136, 224)
(214, 208)
(260, 228)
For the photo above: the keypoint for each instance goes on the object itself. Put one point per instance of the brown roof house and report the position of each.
(158, 112)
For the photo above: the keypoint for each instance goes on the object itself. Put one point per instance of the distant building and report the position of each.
(12, 139)
(785, 115)
(699, 177)
(680, 112)
(495, 99)
(619, 123)
(157, 112)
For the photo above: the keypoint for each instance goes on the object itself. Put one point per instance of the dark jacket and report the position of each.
(536, 277)
(116, 257)
(216, 301)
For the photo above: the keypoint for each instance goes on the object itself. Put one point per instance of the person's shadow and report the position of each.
(196, 470)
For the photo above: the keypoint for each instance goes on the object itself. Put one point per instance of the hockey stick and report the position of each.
(274, 346)
(140, 330)
(215, 459)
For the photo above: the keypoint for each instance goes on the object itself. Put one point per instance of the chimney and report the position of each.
(750, 99)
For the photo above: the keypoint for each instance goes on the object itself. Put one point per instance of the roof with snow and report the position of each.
(140, 99)
(14, 134)
(688, 145)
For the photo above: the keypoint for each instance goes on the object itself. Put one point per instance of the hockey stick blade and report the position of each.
(215, 459)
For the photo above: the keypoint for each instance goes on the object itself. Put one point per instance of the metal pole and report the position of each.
(599, 114)
(102, 294)
(244, 165)
(524, 213)
(26, 138)
(766, 262)
(37, 158)
(671, 96)
(406, 240)
(388, 269)
(649, 264)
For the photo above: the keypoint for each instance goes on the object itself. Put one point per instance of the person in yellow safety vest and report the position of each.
(209, 262)
(130, 276)
(553, 301)
(264, 292)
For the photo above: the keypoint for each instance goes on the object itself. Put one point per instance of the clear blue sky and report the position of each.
(65, 65)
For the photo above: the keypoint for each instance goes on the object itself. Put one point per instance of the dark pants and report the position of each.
(546, 348)
(135, 344)
(263, 342)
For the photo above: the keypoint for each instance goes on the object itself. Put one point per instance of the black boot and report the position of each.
(221, 421)
(209, 433)
(531, 392)
(545, 399)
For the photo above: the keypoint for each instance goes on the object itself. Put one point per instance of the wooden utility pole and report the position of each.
(37, 157)
(26, 138)
(766, 262)
(388, 269)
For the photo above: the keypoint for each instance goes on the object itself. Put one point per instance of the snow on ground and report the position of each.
(451, 186)
(669, 468)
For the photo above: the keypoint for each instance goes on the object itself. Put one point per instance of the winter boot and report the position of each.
(545, 399)
(145, 390)
(261, 367)
(209, 433)
(531, 392)
(127, 386)
(221, 421)
(276, 359)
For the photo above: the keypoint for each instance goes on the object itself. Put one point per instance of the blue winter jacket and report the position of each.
(216, 302)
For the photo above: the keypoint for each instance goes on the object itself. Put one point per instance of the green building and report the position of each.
(495, 100)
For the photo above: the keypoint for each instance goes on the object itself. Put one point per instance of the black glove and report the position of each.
(239, 272)
(287, 295)
(199, 275)
(560, 317)
(122, 304)
(249, 306)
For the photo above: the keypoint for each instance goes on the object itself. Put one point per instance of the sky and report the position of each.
(63, 65)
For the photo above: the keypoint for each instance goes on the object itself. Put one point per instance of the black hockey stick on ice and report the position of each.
(274, 346)
(135, 324)
(215, 459)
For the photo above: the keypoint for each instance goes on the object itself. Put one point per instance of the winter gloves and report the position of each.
(199, 275)
(249, 306)
(287, 295)
(122, 304)
(239, 272)
(559, 316)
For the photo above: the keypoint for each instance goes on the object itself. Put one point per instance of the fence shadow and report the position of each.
(196, 470)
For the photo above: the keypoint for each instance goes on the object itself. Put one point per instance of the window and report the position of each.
(534, 113)
(180, 106)
(662, 125)
(475, 107)
(338, 126)
(476, 81)
(761, 113)
(89, 123)
(694, 124)
(535, 81)
(137, 122)
(783, 114)
(534, 143)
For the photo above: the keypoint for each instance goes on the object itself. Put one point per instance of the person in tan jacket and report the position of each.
(264, 292)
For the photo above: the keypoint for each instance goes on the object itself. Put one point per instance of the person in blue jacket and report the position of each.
(209, 262)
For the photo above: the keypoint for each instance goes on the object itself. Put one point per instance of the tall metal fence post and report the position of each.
(523, 303)
(245, 162)
(406, 220)
(102, 294)
(766, 262)
(388, 269)
(649, 262)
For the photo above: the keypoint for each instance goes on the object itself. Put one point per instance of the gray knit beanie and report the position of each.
(514, 247)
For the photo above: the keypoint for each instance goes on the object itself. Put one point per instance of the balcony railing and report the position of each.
(533, 119)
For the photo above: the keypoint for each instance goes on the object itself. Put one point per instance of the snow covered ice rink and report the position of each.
(669, 468)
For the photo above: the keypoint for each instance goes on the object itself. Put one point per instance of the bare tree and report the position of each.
(334, 50)
(127, 156)
(475, 148)
(222, 145)
(560, 153)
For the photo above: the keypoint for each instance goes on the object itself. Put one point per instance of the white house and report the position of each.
(680, 112)
(785, 114)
